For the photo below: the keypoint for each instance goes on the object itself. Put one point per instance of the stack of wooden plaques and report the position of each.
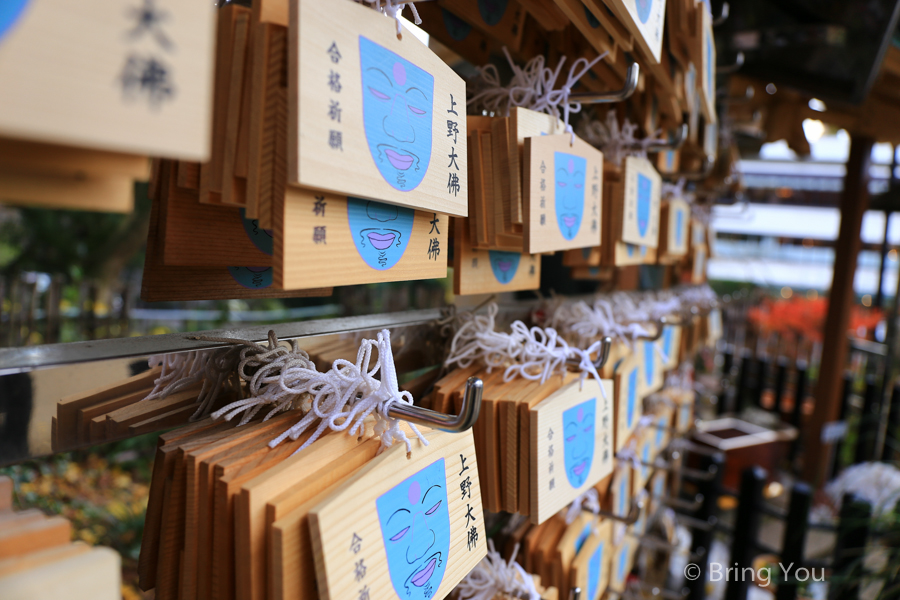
(77, 133)
(230, 517)
(116, 412)
(527, 463)
(39, 562)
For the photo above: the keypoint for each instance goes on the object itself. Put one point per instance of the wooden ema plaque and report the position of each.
(590, 569)
(651, 361)
(567, 548)
(642, 186)
(591, 28)
(627, 255)
(592, 273)
(670, 344)
(131, 78)
(641, 475)
(371, 115)
(714, 327)
(403, 528)
(571, 445)
(452, 31)
(325, 237)
(707, 62)
(490, 271)
(562, 193)
(627, 397)
(698, 268)
(675, 219)
(668, 161)
(524, 123)
(582, 257)
(622, 563)
(657, 490)
(620, 496)
(645, 20)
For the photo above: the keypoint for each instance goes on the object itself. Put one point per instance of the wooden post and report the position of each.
(854, 200)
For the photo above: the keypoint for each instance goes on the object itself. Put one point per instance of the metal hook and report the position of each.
(662, 592)
(673, 143)
(631, 81)
(707, 168)
(634, 513)
(467, 416)
(738, 63)
(680, 504)
(660, 325)
(575, 594)
(602, 356)
(695, 523)
(723, 16)
(688, 472)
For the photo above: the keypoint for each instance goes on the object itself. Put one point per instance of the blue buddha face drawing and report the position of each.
(659, 487)
(261, 238)
(643, 9)
(380, 231)
(569, 192)
(504, 264)
(595, 566)
(492, 10)
(578, 444)
(10, 11)
(670, 160)
(456, 27)
(710, 64)
(254, 278)
(398, 99)
(415, 528)
(644, 190)
(623, 495)
(645, 458)
(679, 227)
(649, 362)
(660, 424)
(631, 393)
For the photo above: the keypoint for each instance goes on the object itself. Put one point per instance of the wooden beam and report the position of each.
(854, 200)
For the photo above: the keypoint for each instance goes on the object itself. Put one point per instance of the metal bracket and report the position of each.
(723, 16)
(703, 173)
(634, 513)
(631, 81)
(673, 143)
(467, 416)
(738, 63)
(602, 357)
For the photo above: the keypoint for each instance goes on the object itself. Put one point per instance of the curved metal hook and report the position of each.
(660, 325)
(631, 81)
(723, 16)
(467, 416)
(634, 513)
(673, 143)
(708, 164)
(738, 63)
(602, 357)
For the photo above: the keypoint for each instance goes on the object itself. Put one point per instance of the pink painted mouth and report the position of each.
(642, 223)
(579, 468)
(569, 221)
(400, 161)
(504, 265)
(381, 241)
(422, 577)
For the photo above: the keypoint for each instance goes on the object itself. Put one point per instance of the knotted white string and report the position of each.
(589, 501)
(340, 399)
(494, 576)
(532, 87)
(531, 353)
(393, 9)
(616, 141)
(210, 369)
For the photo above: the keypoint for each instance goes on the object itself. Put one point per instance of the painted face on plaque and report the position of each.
(254, 278)
(578, 446)
(569, 192)
(415, 527)
(632, 396)
(649, 361)
(380, 231)
(492, 10)
(595, 567)
(643, 9)
(504, 264)
(10, 11)
(644, 189)
(398, 99)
